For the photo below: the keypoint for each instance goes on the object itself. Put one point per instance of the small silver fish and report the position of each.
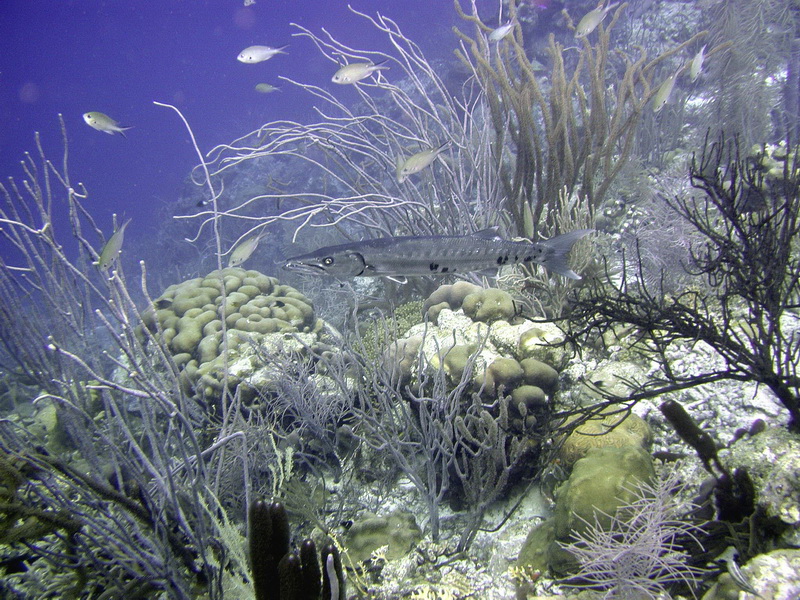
(591, 20)
(498, 34)
(102, 122)
(355, 72)
(245, 249)
(266, 88)
(112, 248)
(697, 64)
(256, 54)
(416, 162)
(664, 91)
(436, 254)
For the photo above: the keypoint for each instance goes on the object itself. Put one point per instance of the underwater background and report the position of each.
(482, 299)
(117, 58)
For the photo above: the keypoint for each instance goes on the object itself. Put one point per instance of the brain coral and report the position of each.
(257, 310)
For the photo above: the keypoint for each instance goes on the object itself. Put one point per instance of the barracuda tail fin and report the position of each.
(556, 258)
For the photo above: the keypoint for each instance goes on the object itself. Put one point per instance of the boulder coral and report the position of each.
(601, 482)
(475, 330)
(258, 310)
(605, 430)
(448, 296)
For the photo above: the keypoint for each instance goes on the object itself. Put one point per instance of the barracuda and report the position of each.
(434, 255)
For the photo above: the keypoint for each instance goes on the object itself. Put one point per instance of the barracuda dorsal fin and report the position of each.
(490, 233)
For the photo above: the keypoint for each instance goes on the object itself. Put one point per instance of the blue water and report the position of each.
(71, 57)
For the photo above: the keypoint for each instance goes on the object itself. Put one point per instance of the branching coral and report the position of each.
(749, 260)
(575, 136)
(126, 507)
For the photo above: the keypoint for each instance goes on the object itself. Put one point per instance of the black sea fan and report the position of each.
(641, 554)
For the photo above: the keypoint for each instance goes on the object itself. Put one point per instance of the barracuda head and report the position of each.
(333, 261)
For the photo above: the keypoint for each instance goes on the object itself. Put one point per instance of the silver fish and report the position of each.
(256, 54)
(436, 254)
(355, 72)
(696, 66)
(266, 88)
(245, 249)
(501, 32)
(664, 92)
(416, 162)
(112, 248)
(102, 122)
(591, 20)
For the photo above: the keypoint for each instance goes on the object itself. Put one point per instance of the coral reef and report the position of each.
(473, 331)
(643, 548)
(600, 483)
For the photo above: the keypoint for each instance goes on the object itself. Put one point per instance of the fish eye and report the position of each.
(327, 261)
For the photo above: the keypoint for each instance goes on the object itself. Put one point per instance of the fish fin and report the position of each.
(125, 224)
(281, 49)
(380, 66)
(122, 131)
(560, 247)
(399, 162)
(400, 280)
(490, 233)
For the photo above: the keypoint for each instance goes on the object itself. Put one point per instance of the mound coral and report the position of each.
(477, 330)
(259, 311)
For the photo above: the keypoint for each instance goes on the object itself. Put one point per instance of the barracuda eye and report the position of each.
(327, 261)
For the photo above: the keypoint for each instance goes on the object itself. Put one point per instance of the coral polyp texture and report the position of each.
(260, 312)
